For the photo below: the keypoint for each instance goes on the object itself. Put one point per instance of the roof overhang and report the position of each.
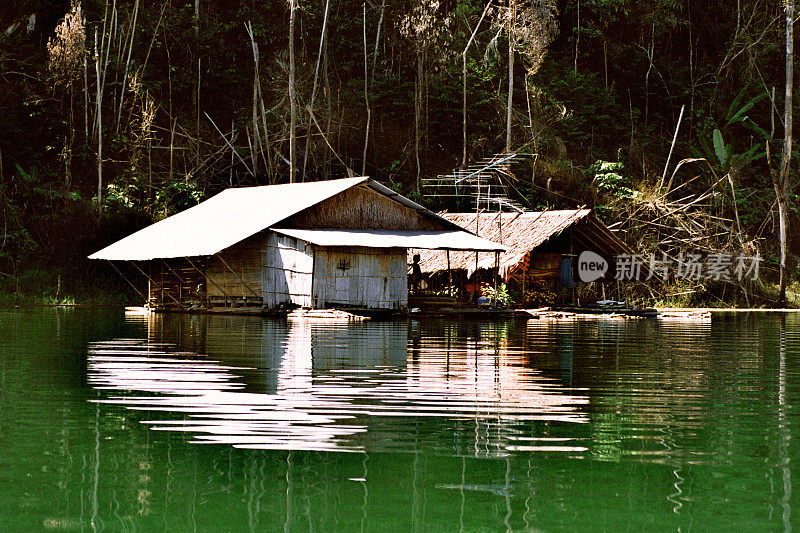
(375, 238)
(223, 220)
(238, 213)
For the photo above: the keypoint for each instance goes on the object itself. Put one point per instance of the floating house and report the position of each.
(337, 243)
(542, 246)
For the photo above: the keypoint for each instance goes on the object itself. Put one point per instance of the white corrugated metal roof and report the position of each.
(236, 214)
(223, 220)
(375, 238)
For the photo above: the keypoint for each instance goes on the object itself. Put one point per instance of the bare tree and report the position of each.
(314, 86)
(422, 27)
(531, 27)
(369, 78)
(366, 95)
(292, 100)
(780, 179)
(197, 92)
(256, 81)
(67, 53)
(127, 64)
(464, 80)
(510, 103)
(99, 124)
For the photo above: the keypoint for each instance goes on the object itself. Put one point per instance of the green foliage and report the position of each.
(609, 177)
(722, 151)
(737, 111)
(500, 297)
(592, 117)
(602, 109)
(713, 147)
(177, 196)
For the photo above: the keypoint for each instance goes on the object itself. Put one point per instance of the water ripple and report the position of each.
(332, 389)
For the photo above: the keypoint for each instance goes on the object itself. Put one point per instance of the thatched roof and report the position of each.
(521, 233)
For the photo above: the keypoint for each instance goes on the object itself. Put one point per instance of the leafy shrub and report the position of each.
(500, 297)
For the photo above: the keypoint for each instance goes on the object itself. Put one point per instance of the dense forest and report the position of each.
(667, 116)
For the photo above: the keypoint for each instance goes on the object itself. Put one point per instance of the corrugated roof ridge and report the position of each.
(170, 222)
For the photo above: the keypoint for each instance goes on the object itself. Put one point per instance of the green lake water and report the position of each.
(210, 423)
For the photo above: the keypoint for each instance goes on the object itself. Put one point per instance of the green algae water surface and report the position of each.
(207, 423)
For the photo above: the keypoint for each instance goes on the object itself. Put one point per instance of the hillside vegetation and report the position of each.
(115, 113)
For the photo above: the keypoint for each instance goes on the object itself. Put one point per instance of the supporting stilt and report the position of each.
(180, 280)
(477, 277)
(127, 280)
(449, 274)
(155, 282)
(496, 274)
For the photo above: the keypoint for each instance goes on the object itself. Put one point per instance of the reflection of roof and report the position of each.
(234, 215)
(375, 238)
(521, 233)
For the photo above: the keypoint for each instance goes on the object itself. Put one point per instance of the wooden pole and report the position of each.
(449, 273)
(477, 276)
(127, 280)
(180, 280)
(572, 265)
(496, 274)
(154, 282)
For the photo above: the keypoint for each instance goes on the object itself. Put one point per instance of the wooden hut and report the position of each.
(336, 243)
(538, 243)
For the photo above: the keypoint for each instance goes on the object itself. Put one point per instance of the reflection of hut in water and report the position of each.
(541, 255)
(272, 355)
(336, 243)
(305, 385)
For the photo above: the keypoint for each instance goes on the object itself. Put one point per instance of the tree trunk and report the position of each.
(85, 99)
(256, 134)
(577, 38)
(781, 182)
(366, 97)
(377, 41)
(99, 125)
(292, 102)
(322, 47)
(329, 105)
(197, 92)
(510, 89)
(417, 115)
(464, 81)
(68, 159)
(127, 64)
